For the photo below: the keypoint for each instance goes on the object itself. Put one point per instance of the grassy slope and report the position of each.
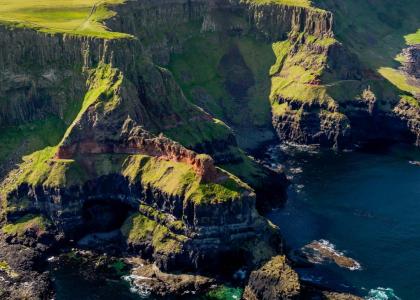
(76, 17)
(197, 68)
(30, 137)
(377, 31)
(301, 3)
(172, 178)
(40, 168)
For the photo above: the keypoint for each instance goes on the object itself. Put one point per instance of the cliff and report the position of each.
(115, 117)
(141, 118)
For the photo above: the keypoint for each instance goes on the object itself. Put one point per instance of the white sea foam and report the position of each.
(296, 170)
(138, 286)
(318, 257)
(381, 293)
(414, 162)
(52, 259)
(290, 147)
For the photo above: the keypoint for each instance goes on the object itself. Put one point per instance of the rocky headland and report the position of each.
(143, 127)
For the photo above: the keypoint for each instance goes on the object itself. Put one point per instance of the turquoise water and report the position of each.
(367, 205)
(72, 281)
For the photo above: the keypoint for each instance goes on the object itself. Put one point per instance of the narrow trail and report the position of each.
(92, 12)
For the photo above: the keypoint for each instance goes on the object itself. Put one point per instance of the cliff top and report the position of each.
(300, 3)
(75, 17)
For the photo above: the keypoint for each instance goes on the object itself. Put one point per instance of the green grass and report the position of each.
(198, 132)
(413, 38)
(203, 79)
(398, 79)
(411, 100)
(377, 33)
(300, 3)
(74, 17)
(104, 84)
(37, 223)
(180, 179)
(29, 137)
(172, 178)
(5, 267)
(139, 228)
(280, 109)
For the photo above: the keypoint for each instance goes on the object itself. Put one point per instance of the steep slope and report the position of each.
(130, 114)
(113, 118)
(341, 86)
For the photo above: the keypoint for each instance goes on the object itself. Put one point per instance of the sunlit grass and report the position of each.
(76, 17)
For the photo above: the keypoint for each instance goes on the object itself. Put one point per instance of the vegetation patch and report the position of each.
(74, 17)
(174, 178)
(5, 267)
(398, 79)
(29, 222)
(140, 229)
(413, 38)
(300, 3)
(30, 137)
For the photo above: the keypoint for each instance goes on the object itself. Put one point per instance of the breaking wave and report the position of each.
(381, 293)
(137, 286)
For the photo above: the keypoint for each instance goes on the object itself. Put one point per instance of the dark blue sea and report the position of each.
(362, 204)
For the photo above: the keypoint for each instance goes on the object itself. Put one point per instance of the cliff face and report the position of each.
(112, 159)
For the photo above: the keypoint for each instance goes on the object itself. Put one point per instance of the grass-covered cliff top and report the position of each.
(169, 177)
(75, 17)
(300, 3)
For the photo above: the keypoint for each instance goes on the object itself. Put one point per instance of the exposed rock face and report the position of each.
(274, 280)
(411, 64)
(20, 274)
(411, 114)
(313, 123)
(276, 21)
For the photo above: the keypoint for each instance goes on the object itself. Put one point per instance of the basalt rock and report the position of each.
(275, 280)
(411, 64)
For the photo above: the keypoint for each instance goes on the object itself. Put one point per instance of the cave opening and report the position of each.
(104, 215)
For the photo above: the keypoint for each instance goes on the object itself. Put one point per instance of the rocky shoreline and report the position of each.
(131, 153)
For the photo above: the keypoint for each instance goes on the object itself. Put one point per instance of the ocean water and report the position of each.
(71, 282)
(363, 205)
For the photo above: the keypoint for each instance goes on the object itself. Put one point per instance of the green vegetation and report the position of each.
(377, 33)
(300, 3)
(170, 177)
(30, 137)
(297, 76)
(175, 178)
(223, 293)
(280, 109)
(138, 229)
(119, 266)
(74, 17)
(398, 79)
(176, 226)
(411, 100)
(199, 72)
(37, 223)
(413, 38)
(104, 84)
(198, 132)
(4, 267)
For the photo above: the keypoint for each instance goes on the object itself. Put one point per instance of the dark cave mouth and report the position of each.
(104, 215)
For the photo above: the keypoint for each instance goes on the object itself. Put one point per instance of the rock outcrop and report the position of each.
(411, 63)
(275, 280)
